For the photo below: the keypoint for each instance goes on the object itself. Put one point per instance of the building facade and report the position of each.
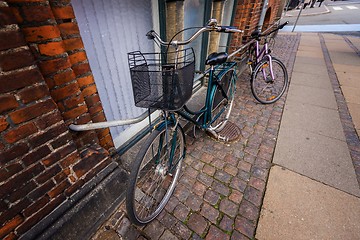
(64, 62)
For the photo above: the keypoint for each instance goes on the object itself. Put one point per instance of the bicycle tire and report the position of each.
(267, 90)
(220, 106)
(151, 184)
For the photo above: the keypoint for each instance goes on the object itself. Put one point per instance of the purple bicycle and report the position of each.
(269, 77)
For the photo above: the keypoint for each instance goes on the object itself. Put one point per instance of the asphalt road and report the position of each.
(343, 16)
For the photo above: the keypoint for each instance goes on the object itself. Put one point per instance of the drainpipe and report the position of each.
(263, 13)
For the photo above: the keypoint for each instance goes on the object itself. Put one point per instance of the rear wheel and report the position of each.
(154, 174)
(222, 102)
(264, 87)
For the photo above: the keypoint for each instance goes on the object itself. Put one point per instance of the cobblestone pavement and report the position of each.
(220, 192)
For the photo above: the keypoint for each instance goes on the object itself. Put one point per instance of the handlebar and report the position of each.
(258, 34)
(211, 26)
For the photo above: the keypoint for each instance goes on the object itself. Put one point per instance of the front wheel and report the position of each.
(154, 174)
(268, 86)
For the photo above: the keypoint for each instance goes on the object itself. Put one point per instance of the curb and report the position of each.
(327, 10)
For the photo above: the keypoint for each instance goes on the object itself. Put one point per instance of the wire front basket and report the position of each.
(162, 80)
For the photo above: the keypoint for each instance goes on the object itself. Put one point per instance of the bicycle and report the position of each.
(164, 81)
(269, 77)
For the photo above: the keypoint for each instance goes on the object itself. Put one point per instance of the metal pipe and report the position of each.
(99, 125)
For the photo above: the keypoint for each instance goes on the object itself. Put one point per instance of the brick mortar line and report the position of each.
(352, 139)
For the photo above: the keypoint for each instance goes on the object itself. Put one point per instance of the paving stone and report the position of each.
(218, 163)
(168, 236)
(257, 183)
(182, 231)
(220, 188)
(181, 212)
(222, 176)
(181, 192)
(227, 224)
(253, 195)
(238, 236)
(236, 196)
(168, 220)
(244, 226)
(154, 229)
(230, 169)
(197, 223)
(209, 213)
(228, 207)
(238, 184)
(249, 210)
(194, 202)
(209, 170)
(215, 234)
(199, 188)
(172, 203)
(212, 197)
(205, 179)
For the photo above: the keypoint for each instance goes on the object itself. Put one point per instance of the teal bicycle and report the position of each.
(164, 82)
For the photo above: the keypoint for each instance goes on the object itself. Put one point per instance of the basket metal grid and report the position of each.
(162, 80)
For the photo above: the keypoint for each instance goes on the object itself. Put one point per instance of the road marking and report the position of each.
(352, 7)
(338, 8)
(324, 28)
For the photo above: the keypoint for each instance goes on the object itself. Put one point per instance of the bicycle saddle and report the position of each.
(216, 58)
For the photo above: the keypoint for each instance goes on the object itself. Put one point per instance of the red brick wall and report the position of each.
(247, 16)
(45, 84)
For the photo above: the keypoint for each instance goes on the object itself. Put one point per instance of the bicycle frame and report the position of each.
(261, 54)
(205, 111)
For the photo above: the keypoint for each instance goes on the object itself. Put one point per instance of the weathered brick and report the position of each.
(21, 192)
(29, 222)
(88, 91)
(10, 225)
(81, 69)
(8, 102)
(33, 93)
(20, 133)
(41, 191)
(74, 102)
(64, 92)
(33, 111)
(36, 206)
(37, 13)
(14, 60)
(20, 180)
(92, 100)
(48, 174)
(61, 141)
(51, 48)
(69, 28)
(77, 57)
(54, 65)
(36, 155)
(14, 152)
(73, 188)
(59, 189)
(48, 120)
(11, 39)
(3, 124)
(64, 77)
(90, 158)
(7, 16)
(75, 112)
(63, 12)
(10, 170)
(19, 80)
(42, 33)
(48, 135)
(73, 44)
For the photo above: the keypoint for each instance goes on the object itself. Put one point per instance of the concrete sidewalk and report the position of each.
(313, 188)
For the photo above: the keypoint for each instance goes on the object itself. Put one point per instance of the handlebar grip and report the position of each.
(150, 35)
(282, 25)
(228, 29)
